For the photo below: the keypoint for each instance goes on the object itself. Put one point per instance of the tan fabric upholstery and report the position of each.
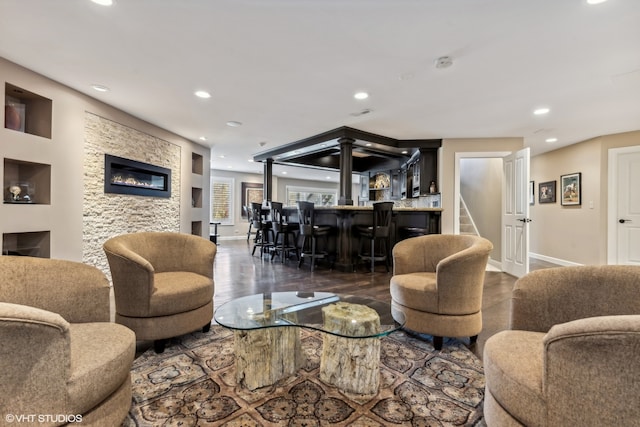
(437, 283)
(163, 282)
(571, 355)
(59, 353)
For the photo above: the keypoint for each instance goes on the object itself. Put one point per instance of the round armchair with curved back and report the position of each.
(437, 284)
(162, 282)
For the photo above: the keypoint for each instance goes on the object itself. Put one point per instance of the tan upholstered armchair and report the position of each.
(571, 355)
(437, 284)
(163, 283)
(59, 354)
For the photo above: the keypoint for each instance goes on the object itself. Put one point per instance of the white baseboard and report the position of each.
(553, 260)
(243, 237)
(493, 265)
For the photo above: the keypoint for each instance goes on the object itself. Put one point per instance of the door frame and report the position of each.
(456, 187)
(612, 199)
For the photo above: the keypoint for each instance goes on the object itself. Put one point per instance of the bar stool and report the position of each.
(380, 230)
(285, 240)
(262, 227)
(308, 230)
(248, 213)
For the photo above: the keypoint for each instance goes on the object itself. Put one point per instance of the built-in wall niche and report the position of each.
(197, 164)
(36, 244)
(26, 182)
(196, 197)
(196, 228)
(126, 176)
(26, 111)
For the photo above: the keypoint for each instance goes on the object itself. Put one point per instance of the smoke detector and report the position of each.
(444, 62)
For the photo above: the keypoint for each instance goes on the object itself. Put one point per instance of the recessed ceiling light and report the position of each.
(250, 160)
(103, 2)
(284, 172)
(361, 95)
(595, 1)
(233, 124)
(202, 94)
(100, 88)
(405, 152)
(203, 138)
(328, 177)
(541, 111)
(368, 144)
(551, 140)
(229, 167)
(221, 156)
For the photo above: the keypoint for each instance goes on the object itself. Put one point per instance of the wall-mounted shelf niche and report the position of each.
(36, 244)
(26, 111)
(196, 197)
(196, 228)
(26, 182)
(197, 164)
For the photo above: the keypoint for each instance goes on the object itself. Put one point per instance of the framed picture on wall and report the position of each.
(547, 192)
(571, 187)
(252, 192)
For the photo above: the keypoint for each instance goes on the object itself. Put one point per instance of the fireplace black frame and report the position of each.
(145, 176)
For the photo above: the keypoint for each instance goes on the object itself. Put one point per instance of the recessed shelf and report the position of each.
(26, 182)
(26, 111)
(196, 228)
(196, 197)
(197, 163)
(36, 244)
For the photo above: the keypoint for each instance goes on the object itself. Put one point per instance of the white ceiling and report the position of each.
(288, 69)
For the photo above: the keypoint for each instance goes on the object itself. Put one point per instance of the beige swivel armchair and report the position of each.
(571, 356)
(437, 284)
(59, 355)
(162, 282)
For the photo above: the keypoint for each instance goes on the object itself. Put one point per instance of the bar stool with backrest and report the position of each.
(263, 229)
(380, 230)
(248, 213)
(310, 233)
(285, 239)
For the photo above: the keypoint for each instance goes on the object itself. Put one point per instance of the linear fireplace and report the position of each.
(125, 176)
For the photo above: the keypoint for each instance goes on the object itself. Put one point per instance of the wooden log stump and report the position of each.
(264, 356)
(351, 364)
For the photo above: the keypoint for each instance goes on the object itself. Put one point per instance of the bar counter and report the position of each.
(342, 244)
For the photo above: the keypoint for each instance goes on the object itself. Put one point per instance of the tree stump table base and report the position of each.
(265, 356)
(351, 364)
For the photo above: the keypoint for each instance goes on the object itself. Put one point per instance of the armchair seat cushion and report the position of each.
(417, 290)
(101, 357)
(513, 370)
(179, 292)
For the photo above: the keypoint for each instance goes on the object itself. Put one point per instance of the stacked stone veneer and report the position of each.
(106, 214)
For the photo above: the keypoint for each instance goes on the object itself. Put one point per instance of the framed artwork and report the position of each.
(571, 187)
(532, 196)
(222, 200)
(252, 192)
(547, 192)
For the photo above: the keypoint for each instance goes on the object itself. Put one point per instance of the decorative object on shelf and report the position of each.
(547, 192)
(19, 192)
(433, 188)
(382, 181)
(14, 116)
(571, 186)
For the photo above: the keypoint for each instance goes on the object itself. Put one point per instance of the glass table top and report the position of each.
(308, 310)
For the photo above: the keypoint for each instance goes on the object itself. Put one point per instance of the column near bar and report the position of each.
(346, 168)
(267, 181)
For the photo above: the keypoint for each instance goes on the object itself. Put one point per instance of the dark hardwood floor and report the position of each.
(237, 273)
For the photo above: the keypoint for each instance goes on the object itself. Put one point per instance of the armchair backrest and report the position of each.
(459, 262)
(590, 377)
(76, 291)
(548, 297)
(164, 251)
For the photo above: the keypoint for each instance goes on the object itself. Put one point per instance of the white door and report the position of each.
(627, 215)
(515, 214)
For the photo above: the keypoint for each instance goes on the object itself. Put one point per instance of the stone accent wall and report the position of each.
(107, 215)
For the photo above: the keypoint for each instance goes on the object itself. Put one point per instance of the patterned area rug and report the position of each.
(193, 384)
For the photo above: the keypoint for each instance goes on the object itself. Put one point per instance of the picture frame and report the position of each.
(547, 192)
(532, 195)
(571, 189)
(252, 192)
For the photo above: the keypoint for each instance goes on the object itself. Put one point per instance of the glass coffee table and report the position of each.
(267, 337)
